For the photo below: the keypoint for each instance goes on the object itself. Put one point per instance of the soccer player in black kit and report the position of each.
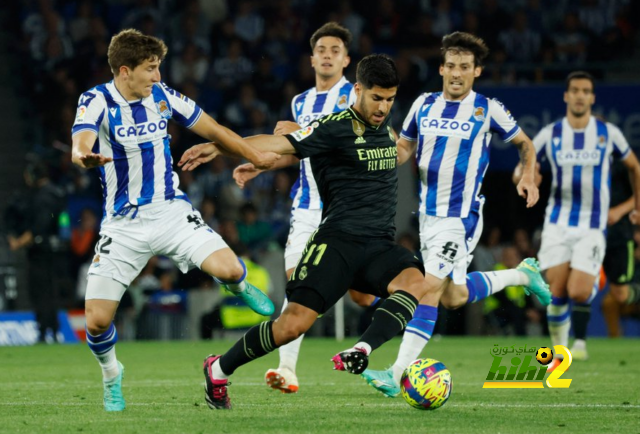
(354, 156)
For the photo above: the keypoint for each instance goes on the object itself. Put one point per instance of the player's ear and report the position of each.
(124, 71)
(346, 61)
(358, 89)
(477, 71)
(312, 62)
(441, 70)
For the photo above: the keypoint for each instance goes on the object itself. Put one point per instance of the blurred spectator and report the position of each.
(385, 27)
(145, 14)
(571, 42)
(208, 212)
(445, 19)
(37, 231)
(83, 241)
(192, 65)
(520, 43)
(232, 68)
(249, 25)
(238, 113)
(278, 207)
(253, 233)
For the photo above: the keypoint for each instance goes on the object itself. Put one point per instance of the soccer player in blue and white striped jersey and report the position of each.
(121, 129)
(579, 148)
(451, 131)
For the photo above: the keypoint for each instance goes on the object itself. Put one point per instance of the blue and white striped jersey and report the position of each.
(453, 148)
(135, 135)
(306, 108)
(580, 164)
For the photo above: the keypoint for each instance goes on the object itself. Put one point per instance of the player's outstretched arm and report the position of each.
(246, 172)
(229, 142)
(632, 165)
(81, 154)
(406, 149)
(527, 187)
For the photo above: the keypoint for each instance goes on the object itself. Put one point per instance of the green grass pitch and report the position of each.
(57, 389)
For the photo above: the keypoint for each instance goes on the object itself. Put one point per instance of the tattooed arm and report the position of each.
(525, 173)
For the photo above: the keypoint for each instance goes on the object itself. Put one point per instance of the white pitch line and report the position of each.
(397, 403)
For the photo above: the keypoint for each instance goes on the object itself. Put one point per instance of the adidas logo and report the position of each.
(360, 140)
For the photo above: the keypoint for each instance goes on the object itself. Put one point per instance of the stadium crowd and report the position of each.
(244, 61)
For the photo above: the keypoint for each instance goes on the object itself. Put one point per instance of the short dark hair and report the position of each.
(576, 75)
(331, 29)
(377, 70)
(131, 48)
(462, 42)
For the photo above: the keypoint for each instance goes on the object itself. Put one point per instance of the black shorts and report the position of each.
(619, 263)
(333, 262)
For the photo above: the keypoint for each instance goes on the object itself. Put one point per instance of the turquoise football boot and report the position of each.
(113, 399)
(382, 381)
(254, 298)
(536, 285)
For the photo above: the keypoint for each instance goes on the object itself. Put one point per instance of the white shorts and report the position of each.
(173, 229)
(303, 223)
(447, 244)
(583, 248)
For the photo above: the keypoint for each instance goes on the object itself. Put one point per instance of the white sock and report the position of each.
(503, 278)
(216, 371)
(410, 349)
(289, 352)
(580, 344)
(109, 364)
(559, 321)
(364, 346)
(236, 288)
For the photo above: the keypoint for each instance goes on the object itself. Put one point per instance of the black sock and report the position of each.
(390, 318)
(257, 342)
(634, 294)
(580, 319)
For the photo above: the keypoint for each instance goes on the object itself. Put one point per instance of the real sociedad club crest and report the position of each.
(163, 109)
(478, 114)
(602, 141)
(343, 103)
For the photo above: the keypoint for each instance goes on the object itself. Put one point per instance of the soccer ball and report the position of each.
(426, 384)
(544, 355)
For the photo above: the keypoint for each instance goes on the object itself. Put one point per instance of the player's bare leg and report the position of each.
(230, 272)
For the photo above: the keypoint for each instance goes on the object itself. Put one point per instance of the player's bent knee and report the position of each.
(286, 332)
(618, 292)
(580, 296)
(361, 299)
(97, 322)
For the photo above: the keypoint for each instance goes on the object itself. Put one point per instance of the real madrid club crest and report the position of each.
(303, 273)
(163, 109)
(478, 114)
(358, 129)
